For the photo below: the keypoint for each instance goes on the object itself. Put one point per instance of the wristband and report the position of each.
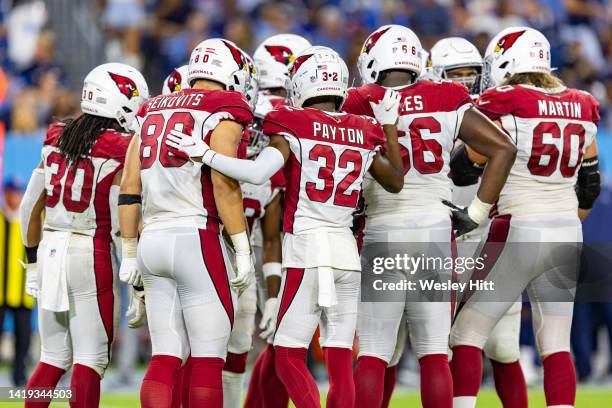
(208, 157)
(128, 247)
(31, 253)
(272, 269)
(478, 211)
(241, 243)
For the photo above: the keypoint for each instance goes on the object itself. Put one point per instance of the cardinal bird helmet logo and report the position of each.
(238, 56)
(174, 81)
(298, 62)
(373, 39)
(507, 41)
(126, 85)
(281, 53)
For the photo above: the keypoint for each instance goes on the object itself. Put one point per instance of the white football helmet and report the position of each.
(252, 89)
(317, 71)
(176, 80)
(453, 53)
(390, 47)
(115, 91)
(273, 57)
(516, 50)
(221, 61)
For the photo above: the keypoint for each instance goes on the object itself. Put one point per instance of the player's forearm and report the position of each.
(31, 208)
(129, 219)
(257, 171)
(392, 148)
(228, 198)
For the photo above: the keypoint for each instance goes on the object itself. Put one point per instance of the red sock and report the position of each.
(187, 381)
(272, 391)
(206, 386)
(466, 368)
(339, 363)
(559, 379)
(177, 389)
(437, 390)
(85, 382)
(253, 399)
(236, 363)
(46, 376)
(369, 382)
(156, 388)
(292, 370)
(510, 384)
(390, 380)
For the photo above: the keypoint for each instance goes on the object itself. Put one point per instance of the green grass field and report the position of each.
(587, 398)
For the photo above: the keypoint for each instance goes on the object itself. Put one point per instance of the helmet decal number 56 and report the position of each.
(326, 175)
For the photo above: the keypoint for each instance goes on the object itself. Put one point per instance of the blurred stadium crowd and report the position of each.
(157, 35)
(47, 46)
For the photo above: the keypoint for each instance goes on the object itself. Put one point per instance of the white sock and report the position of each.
(464, 402)
(232, 389)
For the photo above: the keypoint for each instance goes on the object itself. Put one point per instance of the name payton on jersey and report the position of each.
(326, 131)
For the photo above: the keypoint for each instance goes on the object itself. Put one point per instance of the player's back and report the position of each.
(330, 155)
(77, 195)
(551, 132)
(430, 117)
(174, 193)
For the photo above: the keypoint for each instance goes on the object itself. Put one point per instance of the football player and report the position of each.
(432, 116)
(181, 254)
(272, 59)
(457, 59)
(326, 155)
(76, 184)
(554, 180)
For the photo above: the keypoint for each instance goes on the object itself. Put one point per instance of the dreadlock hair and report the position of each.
(538, 79)
(80, 134)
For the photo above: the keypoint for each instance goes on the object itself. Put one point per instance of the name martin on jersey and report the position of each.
(565, 108)
(326, 131)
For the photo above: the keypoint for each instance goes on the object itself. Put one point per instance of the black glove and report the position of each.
(462, 223)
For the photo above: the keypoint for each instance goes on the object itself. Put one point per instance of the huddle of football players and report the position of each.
(236, 190)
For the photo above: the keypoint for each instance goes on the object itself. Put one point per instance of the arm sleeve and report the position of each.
(257, 171)
(36, 186)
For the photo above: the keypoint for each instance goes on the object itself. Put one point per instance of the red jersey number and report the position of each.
(152, 128)
(556, 159)
(252, 211)
(347, 159)
(420, 146)
(83, 168)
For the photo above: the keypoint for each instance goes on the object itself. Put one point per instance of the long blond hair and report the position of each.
(539, 79)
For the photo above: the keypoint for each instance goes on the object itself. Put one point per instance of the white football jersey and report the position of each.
(77, 193)
(551, 132)
(430, 117)
(173, 192)
(330, 155)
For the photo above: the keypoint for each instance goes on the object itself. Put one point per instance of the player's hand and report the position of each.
(268, 318)
(387, 110)
(31, 284)
(462, 222)
(244, 271)
(129, 272)
(192, 147)
(136, 313)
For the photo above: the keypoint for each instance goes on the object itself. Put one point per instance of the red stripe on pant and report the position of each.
(293, 280)
(215, 265)
(492, 249)
(103, 271)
